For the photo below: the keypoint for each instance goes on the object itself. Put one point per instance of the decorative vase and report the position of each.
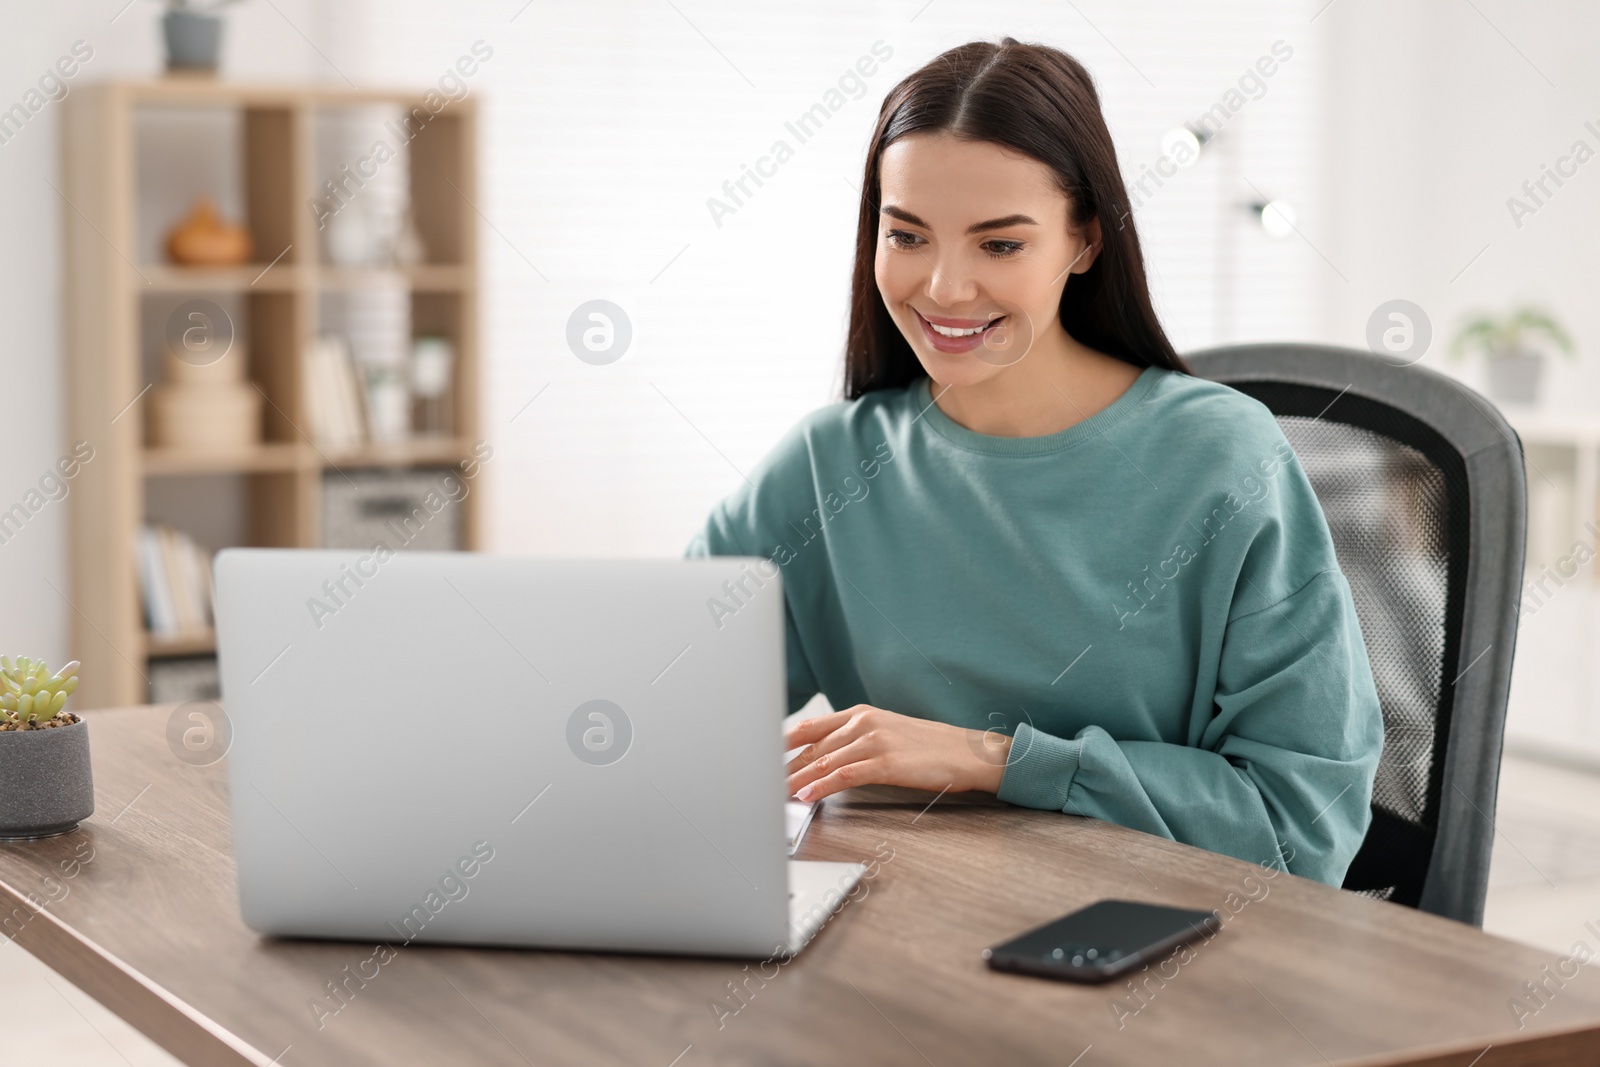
(1514, 377)
(204, 239)
(194, 42)
(409, 249)
(46, 785)
(388, 405)
(352, 241)
(431, 361)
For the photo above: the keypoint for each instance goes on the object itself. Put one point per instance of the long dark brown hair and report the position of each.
(1041, 102)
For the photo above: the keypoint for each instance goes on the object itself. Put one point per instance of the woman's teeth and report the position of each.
(950, 331)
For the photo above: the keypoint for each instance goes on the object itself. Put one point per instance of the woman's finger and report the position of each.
(842, 735)
(853, 751)
(815, 728)
(870, 771)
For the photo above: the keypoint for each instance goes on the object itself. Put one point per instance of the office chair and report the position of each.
(1423, 486)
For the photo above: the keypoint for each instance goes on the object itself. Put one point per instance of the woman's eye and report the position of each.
(994, 249)
(1002, 249)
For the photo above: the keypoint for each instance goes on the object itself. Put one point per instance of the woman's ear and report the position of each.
(1086, 241)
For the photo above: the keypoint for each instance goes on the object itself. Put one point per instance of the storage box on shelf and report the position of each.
(116, 300)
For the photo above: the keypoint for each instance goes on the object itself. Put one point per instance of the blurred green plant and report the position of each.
(29, 693)
(1514, 334)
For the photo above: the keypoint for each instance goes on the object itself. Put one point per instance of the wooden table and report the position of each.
(1301, 973)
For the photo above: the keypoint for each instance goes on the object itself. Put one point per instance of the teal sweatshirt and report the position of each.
(1148, 602)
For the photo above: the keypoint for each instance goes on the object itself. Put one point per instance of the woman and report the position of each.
(1029, 553)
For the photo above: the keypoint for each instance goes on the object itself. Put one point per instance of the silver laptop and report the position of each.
(447, 747)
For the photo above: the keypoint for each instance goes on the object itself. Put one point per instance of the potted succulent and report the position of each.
(194, 35)
(45, 785)
(1514, 347)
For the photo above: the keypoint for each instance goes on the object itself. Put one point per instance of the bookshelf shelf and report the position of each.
(192, 644)
(286, 457)
(426, 278)
(401, 453)
(264, 457)
(271, 493)
(261, 278)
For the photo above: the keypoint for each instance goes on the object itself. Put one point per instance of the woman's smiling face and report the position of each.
(975, 243)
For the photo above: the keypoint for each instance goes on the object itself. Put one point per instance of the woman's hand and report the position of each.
(865, 745)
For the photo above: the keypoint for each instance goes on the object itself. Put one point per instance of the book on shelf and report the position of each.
(174, 582)
(333, 395)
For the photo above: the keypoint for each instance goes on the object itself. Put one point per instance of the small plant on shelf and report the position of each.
(32, 698)
(1513, 346)
(1514, 334)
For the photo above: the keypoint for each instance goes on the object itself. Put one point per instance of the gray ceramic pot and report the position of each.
(193, 41)
(45, 784)
(1514, 377)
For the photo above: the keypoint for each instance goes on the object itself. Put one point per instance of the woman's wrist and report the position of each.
(991, 751)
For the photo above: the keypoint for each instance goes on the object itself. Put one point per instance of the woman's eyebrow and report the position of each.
(977, 227)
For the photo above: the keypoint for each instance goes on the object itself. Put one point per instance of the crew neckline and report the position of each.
(1043, 444)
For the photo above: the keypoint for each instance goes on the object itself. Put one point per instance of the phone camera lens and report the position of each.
(1057, 953)
(1092, 953)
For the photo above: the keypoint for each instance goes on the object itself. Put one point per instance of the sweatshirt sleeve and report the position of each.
(717, 539)
(751, 521)
(1284, 775)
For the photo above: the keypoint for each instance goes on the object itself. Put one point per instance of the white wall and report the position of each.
(1436, 113)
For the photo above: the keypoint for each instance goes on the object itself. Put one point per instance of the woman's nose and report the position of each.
(950, 283)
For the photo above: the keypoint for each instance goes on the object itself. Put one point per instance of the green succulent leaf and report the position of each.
(29, 692)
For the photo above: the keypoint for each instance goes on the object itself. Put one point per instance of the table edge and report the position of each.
(191, 1036)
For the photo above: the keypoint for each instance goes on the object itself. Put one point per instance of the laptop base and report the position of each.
(817, 889)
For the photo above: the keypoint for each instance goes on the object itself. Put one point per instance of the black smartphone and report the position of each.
(1102, 941)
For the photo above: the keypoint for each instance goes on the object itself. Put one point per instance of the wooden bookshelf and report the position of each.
(108, 288)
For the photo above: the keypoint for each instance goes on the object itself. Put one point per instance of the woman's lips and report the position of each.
(956, 345)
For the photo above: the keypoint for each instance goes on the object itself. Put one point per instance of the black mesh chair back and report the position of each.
(1422, 483)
